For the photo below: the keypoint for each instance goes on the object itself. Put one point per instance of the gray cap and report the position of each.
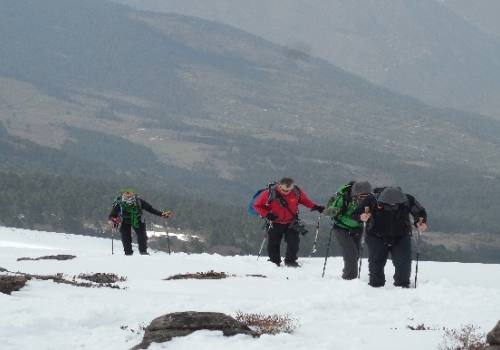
(361, 187)
(392, 196)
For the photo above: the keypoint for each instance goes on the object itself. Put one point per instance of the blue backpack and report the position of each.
(250, 209)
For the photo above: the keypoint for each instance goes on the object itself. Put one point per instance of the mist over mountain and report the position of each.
(208, 111)
(420, 48)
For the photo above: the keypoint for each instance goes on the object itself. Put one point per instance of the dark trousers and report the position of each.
(292, 239)
(349, 242)
(378, 252)
(142, 238)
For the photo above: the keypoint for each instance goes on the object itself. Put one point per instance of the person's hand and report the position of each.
(167, 214)
(421, 225)
(331, 211)
(318, 208)
(114, 221)
(271, 216)
(365, 217)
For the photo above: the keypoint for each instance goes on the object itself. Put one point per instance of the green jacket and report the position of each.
(340, 207)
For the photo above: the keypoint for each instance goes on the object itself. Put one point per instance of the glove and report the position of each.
(318, 208)
(167, 214)
(115, 221)
(271, 216)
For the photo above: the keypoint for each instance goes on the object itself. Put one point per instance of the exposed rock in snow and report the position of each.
(179, 324)
(9, 284)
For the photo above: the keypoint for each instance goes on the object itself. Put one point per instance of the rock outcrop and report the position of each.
(493, 338)
(9, 284)
(179, 324)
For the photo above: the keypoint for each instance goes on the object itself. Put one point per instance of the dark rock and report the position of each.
(9, 284)
(493, 337)
(180, 324)
(50, 257)
(210, 275)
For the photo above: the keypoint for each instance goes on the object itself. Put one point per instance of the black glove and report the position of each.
(271, 217)
(318, 208)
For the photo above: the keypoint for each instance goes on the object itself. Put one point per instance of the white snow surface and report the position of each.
(331, 313)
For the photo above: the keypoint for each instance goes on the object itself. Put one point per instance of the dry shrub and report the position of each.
(421, 327)
(256, 275)
(102, 278)
(268, 324)
(466, 338)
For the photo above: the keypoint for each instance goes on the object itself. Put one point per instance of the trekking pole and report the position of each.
(265, 238)
(327, 251)
(417, 246)
(165, 225)
(314, 248)
(113, 231)
(362, 245)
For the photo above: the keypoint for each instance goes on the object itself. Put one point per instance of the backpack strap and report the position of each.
(285, 205)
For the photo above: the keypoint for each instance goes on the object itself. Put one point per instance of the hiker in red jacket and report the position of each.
(280, 205)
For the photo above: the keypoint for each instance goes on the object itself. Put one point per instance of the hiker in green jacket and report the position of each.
(127, 210)
(347, 231)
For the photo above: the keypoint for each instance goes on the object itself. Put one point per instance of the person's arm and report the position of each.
(114, 216)
(418, 212)
(260, 204)
(115, 211)
(149, 208)
(307, 202)
(369, 202)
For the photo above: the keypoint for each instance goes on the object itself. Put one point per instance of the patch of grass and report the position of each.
(466, 338)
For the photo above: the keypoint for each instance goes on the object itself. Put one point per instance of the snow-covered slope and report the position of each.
(332, 313)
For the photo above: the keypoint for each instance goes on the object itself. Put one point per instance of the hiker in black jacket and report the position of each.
(389, 229)
(128, 209)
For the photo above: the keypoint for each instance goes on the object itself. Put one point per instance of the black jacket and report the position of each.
(117, 211)
(390, 224)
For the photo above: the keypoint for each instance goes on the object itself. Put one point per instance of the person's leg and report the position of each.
(292, 239)
(350, 253)
(401, 259)
(274, 237)
(377, 258)
(142, 238)
(126, 234)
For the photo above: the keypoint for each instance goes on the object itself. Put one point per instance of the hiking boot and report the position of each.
(349, 277)
(144, 253)
(129, 253)
(402, 285)
(292, 264)
(277, 263)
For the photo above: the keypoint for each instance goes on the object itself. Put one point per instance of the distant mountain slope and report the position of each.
(483, 13)
(205, 108)
(420, 48)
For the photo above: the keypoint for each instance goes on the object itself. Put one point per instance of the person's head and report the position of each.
(128, 196)
(391, 198)
(360, 190)
(286, 185)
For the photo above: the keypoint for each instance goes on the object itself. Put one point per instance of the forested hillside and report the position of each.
(93, 93)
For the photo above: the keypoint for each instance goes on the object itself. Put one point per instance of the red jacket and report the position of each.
(284, 215)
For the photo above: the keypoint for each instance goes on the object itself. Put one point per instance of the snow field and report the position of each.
(331, 313)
